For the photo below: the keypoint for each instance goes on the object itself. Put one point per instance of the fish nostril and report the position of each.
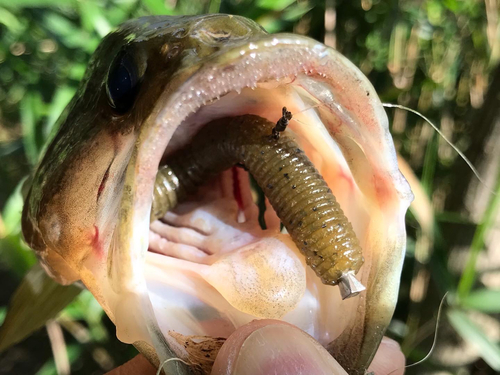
(180, 33)
(222, 28)
(218, 35)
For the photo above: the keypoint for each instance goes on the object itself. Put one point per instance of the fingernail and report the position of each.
(284, 349)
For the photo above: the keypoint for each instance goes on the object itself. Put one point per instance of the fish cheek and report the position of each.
(69, 222)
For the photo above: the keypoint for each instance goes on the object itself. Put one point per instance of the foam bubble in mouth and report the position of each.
(265, 279)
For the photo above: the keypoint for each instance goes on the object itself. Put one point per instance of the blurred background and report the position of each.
(439, 57)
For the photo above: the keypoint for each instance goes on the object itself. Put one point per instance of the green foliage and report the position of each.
(49, 368)
(471, 332)
(38, 299)
(484, 300)
(489, 219)
(434, 56)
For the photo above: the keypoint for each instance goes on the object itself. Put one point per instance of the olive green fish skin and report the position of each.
(298, 193)
(93, 139)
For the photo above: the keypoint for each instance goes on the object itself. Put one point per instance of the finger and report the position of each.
(389, 359)
(273, 347)
(137, 365)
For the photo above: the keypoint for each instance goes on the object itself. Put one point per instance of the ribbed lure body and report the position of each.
(298, 193)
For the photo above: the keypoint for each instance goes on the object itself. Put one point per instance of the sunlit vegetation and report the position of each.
(438, 57)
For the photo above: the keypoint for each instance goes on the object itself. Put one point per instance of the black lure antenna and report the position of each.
(282, 123)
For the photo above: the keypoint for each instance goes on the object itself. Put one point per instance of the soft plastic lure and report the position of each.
(298, 193)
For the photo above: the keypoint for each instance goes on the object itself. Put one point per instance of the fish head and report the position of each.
(73, 194)
(151, 85)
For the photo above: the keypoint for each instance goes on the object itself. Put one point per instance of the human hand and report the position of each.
(271, 346)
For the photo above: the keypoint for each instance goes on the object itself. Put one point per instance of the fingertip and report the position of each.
(137, 365)
(389, 359)
(270, 347)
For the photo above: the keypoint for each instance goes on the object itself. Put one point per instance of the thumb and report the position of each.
(389, 359)
(273, 347)
(137, 365)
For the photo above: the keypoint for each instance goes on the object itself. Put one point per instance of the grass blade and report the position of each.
(469, 275)
(36, 300)
(485, 300)
(470, 332)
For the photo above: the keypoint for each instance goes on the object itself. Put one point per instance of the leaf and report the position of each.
(37, 299)
(60, 100)
(11, 213)
(68, 32)
(471, 333)
(214, 6)
(60, 25)
(158, 7)
(270, 23)
(93, 18)
(28, 120)
(487, 222)
(16, 255)
(294, 12)
(13, 251)
(275, 5)
(77, 71)
(485, 300)
(35, 3)
(3, 311)
(11, 22)
(451, 5)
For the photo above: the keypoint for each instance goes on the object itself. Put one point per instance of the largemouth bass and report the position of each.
(150, 87)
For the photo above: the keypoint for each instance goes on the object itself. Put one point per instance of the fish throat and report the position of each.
(297, 192)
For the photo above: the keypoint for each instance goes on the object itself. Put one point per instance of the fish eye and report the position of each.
(123, 83)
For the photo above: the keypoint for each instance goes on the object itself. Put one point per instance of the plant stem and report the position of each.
(469, 274)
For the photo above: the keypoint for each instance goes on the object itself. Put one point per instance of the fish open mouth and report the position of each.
(335, 120)
(207, 267)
